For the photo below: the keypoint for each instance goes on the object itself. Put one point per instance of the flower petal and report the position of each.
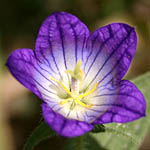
(61, 41)
(29, 72)
(63, 126)
(111, 49)
(126, 105)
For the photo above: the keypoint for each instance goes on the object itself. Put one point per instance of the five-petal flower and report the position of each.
(78, 75)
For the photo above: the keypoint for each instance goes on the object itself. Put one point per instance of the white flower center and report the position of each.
(74, 94)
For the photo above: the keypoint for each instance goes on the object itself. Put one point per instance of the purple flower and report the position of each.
(78, 75)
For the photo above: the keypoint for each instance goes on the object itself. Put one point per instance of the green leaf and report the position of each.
(42, 132)
(91, 144)
(98, 128)
(130, 135)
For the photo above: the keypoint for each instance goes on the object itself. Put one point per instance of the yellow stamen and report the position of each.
(77, 101)
(82, 104)
(88, 93)
(65, 101)
(63, 86)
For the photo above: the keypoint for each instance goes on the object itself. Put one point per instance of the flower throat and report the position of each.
(76, 79)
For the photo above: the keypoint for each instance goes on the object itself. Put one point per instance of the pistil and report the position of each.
(74, 87)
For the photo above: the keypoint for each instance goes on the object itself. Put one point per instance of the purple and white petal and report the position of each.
(30, 72)
(111, 49)
(63, 126)
(126, 103)
(21, 64)
(61, 41)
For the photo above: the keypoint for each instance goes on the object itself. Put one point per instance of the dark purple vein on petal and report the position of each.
(90, 116)
(83, 46)
(115, 87)
(32, 64)
(56, 104)
(79, 125)
(68, 114)
(17, 74)
(22, 77)
(118, 94)
(57, 110)
(63, 125)
(75, 38)
(77, 115)
(93, 43)
(50, 44)
(117, 63)
(46, 60)
(101, 46)
(61, 38)
(43, 68)
(118, 46)
(72, 26)
(120, 106)
(112, 113)
(49, 96)
(35, 69)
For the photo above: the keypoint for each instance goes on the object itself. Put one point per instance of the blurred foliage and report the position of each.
(20, 21)
(41, 133)
(19, 24)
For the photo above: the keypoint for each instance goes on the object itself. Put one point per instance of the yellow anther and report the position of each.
(81, 73)
(63, 86)
(77, 73)
(65, 101)
(77, 67)
(88, 93)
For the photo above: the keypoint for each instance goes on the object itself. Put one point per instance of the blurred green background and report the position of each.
(19, 23)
